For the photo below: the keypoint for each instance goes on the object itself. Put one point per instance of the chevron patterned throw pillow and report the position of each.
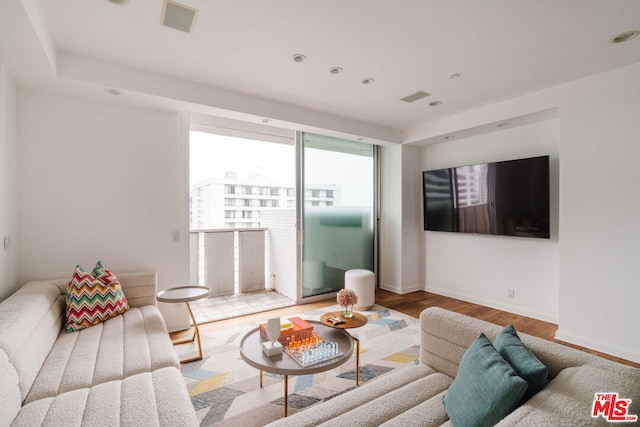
(93, 298)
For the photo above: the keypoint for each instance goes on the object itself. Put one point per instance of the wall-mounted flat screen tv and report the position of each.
(508, 198)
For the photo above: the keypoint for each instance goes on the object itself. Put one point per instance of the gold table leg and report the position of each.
(357, 361)
(286, 397)
(196, 335)
(286, 392)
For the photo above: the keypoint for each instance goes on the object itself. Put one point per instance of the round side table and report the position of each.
(185, 294)
(354, 322)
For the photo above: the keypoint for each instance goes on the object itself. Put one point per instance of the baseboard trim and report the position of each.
(597, 346)
(395, 290)
(488, 303)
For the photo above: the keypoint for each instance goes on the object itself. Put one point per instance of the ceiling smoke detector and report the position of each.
(415, 96)
(178, 16)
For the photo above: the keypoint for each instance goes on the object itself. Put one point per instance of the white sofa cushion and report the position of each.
(10, 400)
(147, 399)
(378, 401)
(135, 342)
(568, 399)
(30, 321)
(390, 405)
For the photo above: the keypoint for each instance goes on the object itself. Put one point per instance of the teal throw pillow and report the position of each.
(486, 388)
(522, 360)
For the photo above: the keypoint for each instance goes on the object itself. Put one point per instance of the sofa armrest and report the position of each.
(140, 288)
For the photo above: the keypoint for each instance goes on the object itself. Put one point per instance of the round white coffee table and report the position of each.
(185, 294)
(283, 364)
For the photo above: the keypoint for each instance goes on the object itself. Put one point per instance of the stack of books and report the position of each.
(293, 327)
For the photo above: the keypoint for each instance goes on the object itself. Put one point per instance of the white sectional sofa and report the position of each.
(413, 396)
(123, 371)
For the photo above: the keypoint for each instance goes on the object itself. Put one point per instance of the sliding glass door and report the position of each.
(337, 211)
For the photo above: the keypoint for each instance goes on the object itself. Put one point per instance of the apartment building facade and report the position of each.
(233, 202)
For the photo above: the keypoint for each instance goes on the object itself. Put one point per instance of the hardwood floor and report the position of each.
(412, 304)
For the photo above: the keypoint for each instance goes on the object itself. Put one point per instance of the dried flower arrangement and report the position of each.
(347, 297)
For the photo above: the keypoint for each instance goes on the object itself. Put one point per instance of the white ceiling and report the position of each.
(501, 49)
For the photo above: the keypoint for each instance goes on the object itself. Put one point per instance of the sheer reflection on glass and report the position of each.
(337, 211)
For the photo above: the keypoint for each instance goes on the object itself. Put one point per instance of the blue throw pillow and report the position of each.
(522, 360)
(486, 388)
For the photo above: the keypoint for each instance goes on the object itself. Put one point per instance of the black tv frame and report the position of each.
(504, 198)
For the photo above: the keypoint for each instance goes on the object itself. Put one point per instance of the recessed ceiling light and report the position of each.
(335, 70)
(368, 81)
(455, 76)
(449, 137)
(112, 91)
(626, 36)
(118, 1)
(435, 103)
(298, 57)
(501, 125)
(266, 120)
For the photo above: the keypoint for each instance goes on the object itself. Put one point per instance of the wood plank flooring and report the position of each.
(412, 304)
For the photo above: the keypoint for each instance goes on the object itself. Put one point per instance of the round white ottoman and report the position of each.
(363, 283)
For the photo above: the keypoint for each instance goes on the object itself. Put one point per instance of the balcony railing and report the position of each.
(228, 260)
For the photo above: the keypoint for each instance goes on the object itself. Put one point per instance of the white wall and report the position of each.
(600, 213)
(412, 247)
(103, 181)
(390, 268)
(400, 268)
(281, 248)
(481, 268)
(8, 186)
(597, 131)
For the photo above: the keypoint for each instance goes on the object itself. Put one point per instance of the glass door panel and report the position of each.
(338, 187)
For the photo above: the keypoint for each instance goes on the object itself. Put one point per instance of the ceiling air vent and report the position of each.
(178, 16)
(415, 96)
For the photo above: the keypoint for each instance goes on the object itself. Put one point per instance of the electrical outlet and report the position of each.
(511, 293)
